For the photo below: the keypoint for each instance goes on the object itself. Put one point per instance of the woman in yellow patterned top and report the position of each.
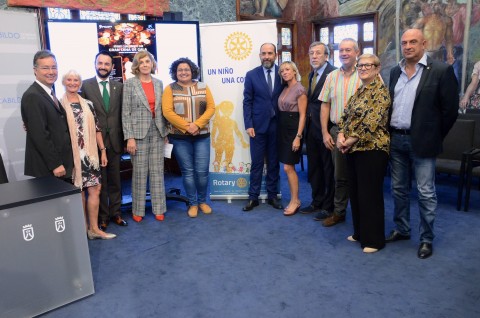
(188, 105)
(365, 139)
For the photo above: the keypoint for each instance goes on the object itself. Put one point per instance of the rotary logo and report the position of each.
(238, 45)
(241, 182)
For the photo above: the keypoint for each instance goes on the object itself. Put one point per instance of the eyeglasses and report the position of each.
(46, 68)
(186, 70)
(366, 66)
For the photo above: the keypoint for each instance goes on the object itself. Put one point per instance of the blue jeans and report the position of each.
(402, 159)
(193, 157)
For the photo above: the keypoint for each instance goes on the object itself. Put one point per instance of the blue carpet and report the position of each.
(261, 264)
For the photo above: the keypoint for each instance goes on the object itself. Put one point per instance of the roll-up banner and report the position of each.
(229, 51)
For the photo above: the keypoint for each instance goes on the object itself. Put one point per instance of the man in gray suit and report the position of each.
(106, 96)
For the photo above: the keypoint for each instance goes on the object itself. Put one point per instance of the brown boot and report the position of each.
(193, 211)
(333, 220)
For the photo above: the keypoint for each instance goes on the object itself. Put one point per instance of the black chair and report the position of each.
(472, 164)
(3, 173)
(456, 145)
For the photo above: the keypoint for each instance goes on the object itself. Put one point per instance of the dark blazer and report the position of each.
(258, 101)
(110, 122)
(48, 143)
(435, 108)
(313, 107)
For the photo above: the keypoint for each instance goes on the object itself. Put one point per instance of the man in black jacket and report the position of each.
(320, 165)
(424, 108)
(48, 149)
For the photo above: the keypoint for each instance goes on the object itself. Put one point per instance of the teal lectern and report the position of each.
(44, 259)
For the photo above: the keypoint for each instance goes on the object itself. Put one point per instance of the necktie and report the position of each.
(269, 81)
(55, 100)
(270, 87)
(313, 83)
(106, 96)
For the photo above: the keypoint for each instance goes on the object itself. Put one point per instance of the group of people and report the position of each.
(80, 138)
(351, 123)
(354, 127)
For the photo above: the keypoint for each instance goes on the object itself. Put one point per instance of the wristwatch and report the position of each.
(299, 136)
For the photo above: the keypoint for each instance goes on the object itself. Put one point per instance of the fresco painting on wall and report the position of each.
(442, 21)
(263, 8)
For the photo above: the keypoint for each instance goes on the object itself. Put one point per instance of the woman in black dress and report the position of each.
(292, 104)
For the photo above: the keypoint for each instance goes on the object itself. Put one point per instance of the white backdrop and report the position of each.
(19, 40)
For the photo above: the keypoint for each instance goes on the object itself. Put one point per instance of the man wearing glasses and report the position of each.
(48, 150)
(339, 86)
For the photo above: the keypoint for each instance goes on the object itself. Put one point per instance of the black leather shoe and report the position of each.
(396, 236)
(276, 203)
(322, 215)
(425, 250)
(250, 205)
(119, 221)
(309, 209)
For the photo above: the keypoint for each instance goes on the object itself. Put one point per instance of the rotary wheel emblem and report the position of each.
(241, 182)
(238, 46)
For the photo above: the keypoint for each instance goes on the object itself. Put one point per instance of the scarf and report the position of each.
(89, 136)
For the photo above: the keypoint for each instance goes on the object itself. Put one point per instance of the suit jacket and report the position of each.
(258, 101)
(48, 143)
(136, 113)
(435, 108)
(111, 122)
(314, 128)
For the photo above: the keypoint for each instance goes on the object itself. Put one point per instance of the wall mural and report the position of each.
(442, 21)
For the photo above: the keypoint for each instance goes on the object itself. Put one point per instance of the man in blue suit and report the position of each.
(260, 106)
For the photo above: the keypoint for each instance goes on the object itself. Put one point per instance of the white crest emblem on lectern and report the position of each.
(28, 234)
(59, 224)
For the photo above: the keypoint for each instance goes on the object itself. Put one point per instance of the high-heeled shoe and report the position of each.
(94, 236)
(160, 217)
(288, 212)
(137, 218)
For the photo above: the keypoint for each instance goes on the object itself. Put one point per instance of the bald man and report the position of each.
(425, 107)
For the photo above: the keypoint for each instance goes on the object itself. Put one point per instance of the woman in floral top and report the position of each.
(365, 139)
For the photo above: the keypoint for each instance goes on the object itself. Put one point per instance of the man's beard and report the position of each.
(101, 75)
(267, 64)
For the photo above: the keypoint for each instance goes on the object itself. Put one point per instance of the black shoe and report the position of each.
(276, 203)
(396, 236)
(322, 215)
(309, 209)
(425, 250)
(250, 205)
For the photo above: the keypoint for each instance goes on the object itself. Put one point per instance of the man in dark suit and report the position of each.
(106, 96)
(260, 106)
(425, 107)
(320, 165)
(48, 149)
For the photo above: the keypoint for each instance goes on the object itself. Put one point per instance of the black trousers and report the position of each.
(366, 171)
(111, 193)
(320, 171)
